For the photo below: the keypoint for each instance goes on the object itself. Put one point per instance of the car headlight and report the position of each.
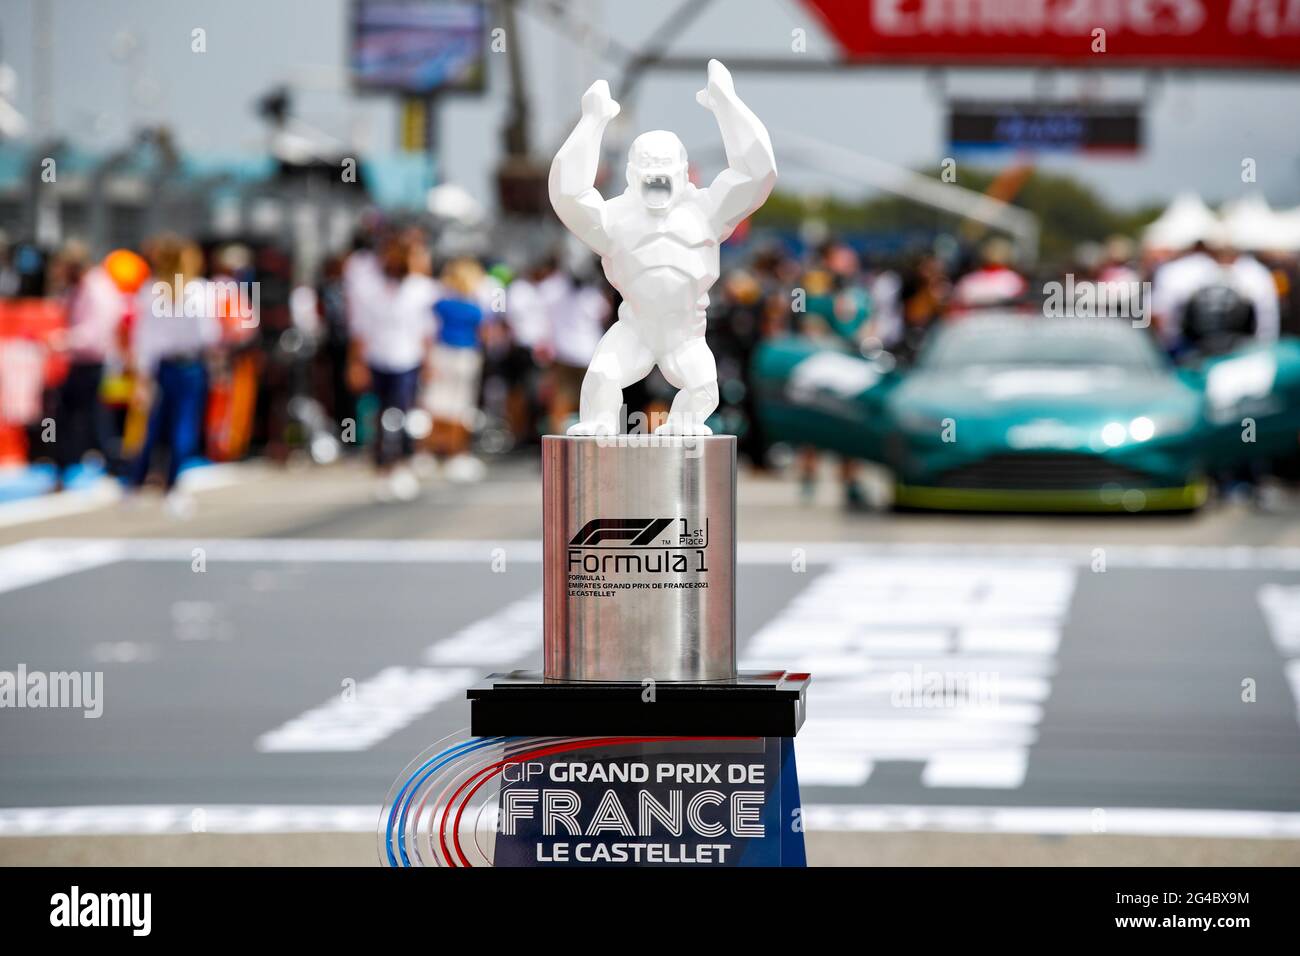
(1114, 434)
(1143, 428)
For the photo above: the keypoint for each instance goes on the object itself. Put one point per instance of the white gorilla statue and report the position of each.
(658, 244)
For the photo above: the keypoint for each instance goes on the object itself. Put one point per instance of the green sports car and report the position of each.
(1008, 412)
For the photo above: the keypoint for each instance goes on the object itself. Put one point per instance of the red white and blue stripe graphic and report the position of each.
(442, 809)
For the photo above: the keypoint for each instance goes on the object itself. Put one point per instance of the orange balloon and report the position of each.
(127, 269)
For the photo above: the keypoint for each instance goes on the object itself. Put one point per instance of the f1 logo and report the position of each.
(637, 532)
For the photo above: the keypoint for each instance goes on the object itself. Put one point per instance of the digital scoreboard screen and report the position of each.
(418, 47)
(1077, 127)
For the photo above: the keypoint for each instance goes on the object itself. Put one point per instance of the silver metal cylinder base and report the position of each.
(639, 558)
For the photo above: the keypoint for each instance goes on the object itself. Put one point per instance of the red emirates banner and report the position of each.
(1258, 34)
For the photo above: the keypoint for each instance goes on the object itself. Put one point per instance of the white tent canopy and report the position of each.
(1289, 227)
(1186, 222)
(1249, 224)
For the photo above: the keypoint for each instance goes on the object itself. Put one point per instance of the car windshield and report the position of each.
(1038, 342)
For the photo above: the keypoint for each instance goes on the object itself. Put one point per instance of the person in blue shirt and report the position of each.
(453, 393)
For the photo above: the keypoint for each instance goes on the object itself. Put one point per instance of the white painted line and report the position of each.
(1123, 821)
(909, 655)
(951, 559)
(59, 504)
(1281, 607)
(22, 565)
(279, 818)
(1013, 638)
(499, 639)
(1292, 671)
(148, 820)
(106, 492)
(841, 771)
(396, 696)
(381, 705)
(1003, 769)
(1207, 557)
(309, 550)
(911, 643)
(879, 738)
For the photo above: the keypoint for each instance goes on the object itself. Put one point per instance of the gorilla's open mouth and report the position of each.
(656, 190)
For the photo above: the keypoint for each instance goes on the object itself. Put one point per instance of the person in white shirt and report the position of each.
(1255, 281)
(994, 284)
(527, 317)
(175, 327)
(529, 358)
(886, 321)
(392, 334)
(96, 307)
(576, 313)
(360, 270)
(1212, 264)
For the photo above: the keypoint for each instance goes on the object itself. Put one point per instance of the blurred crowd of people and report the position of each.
(1198, 300)
(137, 360)
(457, 356)
(188, 352)
(141, 364)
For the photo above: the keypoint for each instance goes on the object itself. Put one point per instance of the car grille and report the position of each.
(1042, 472)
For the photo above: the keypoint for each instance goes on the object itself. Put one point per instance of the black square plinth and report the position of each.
(524, 704)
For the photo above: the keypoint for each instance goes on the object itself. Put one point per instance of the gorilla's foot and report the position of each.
(597, 426)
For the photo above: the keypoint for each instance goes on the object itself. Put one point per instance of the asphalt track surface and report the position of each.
(1121, 676)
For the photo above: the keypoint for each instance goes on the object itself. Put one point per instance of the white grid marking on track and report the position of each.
(283, 818)
(397, 696)
(382, 705)
(1281, 608)
(945, 663)
(1158, 556)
